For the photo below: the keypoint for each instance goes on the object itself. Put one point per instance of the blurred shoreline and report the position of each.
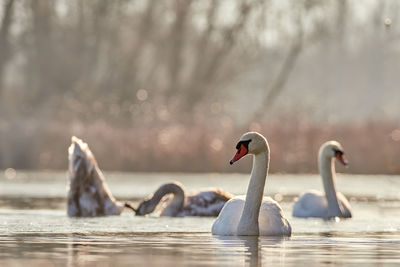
(371, 147)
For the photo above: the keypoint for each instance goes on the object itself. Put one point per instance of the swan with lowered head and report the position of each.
(332, 204)
(199, 203)
(254, 214)
(88, 193)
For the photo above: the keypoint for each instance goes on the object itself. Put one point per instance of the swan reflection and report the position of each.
(253, 247)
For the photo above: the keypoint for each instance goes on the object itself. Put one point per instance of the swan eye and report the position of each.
(238, 145)
(338, 152)
(339, 155)
(245, 143)
(242, 150)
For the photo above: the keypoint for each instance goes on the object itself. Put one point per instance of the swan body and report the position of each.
(88, 193)
(271, 219)
(332, 203)
(314, 204)
(252, 214)
(198, 203)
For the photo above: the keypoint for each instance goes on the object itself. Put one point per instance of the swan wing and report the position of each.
(271, 220)
(206, 203)
(345, 205)
(228, 218)
(311, 204)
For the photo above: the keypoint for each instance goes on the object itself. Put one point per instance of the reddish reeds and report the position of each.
(371, 147)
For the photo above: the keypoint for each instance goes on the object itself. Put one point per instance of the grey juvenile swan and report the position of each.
(198, 203)
(88, 193)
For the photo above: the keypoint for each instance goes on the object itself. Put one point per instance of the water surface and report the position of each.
(35, 230)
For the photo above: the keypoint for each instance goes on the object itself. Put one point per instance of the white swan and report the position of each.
(88, 193)
(254, 215)
(332, 204)
(198, 203)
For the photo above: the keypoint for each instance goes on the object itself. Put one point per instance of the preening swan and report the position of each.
(199, 203)
(332, 204)
(88, 193)
(254, 214)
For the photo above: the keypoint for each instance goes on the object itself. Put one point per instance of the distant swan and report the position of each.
(254, 214)
(88, 193)
(199, 203)
(332, 204)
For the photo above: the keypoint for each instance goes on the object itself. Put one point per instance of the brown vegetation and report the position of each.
(371, 147)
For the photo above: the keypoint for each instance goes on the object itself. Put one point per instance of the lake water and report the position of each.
(35, 231)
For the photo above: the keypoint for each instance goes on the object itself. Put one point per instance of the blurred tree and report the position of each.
(5, 48)
(151, 65)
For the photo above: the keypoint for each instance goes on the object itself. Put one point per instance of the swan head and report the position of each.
(145, 207)
(333, 149)
(250, 143)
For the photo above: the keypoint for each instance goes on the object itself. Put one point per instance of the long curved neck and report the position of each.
(327, 170)
(176, 203)
(248, 224)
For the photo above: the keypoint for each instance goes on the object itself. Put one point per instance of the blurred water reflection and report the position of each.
(179, 249)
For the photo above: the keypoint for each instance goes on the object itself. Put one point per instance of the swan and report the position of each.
(198, 203)
(332, 204)
(88, 193)
(252, 214)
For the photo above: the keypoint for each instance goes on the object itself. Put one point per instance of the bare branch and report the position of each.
(284, 73)
(177, 43)
(210, 71)
(131, 65)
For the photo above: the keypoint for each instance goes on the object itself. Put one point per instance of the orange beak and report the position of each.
(340, 157)
(242, 151)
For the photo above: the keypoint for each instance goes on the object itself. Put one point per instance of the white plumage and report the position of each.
(331, 204)
(271, 220)
(252, 214)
